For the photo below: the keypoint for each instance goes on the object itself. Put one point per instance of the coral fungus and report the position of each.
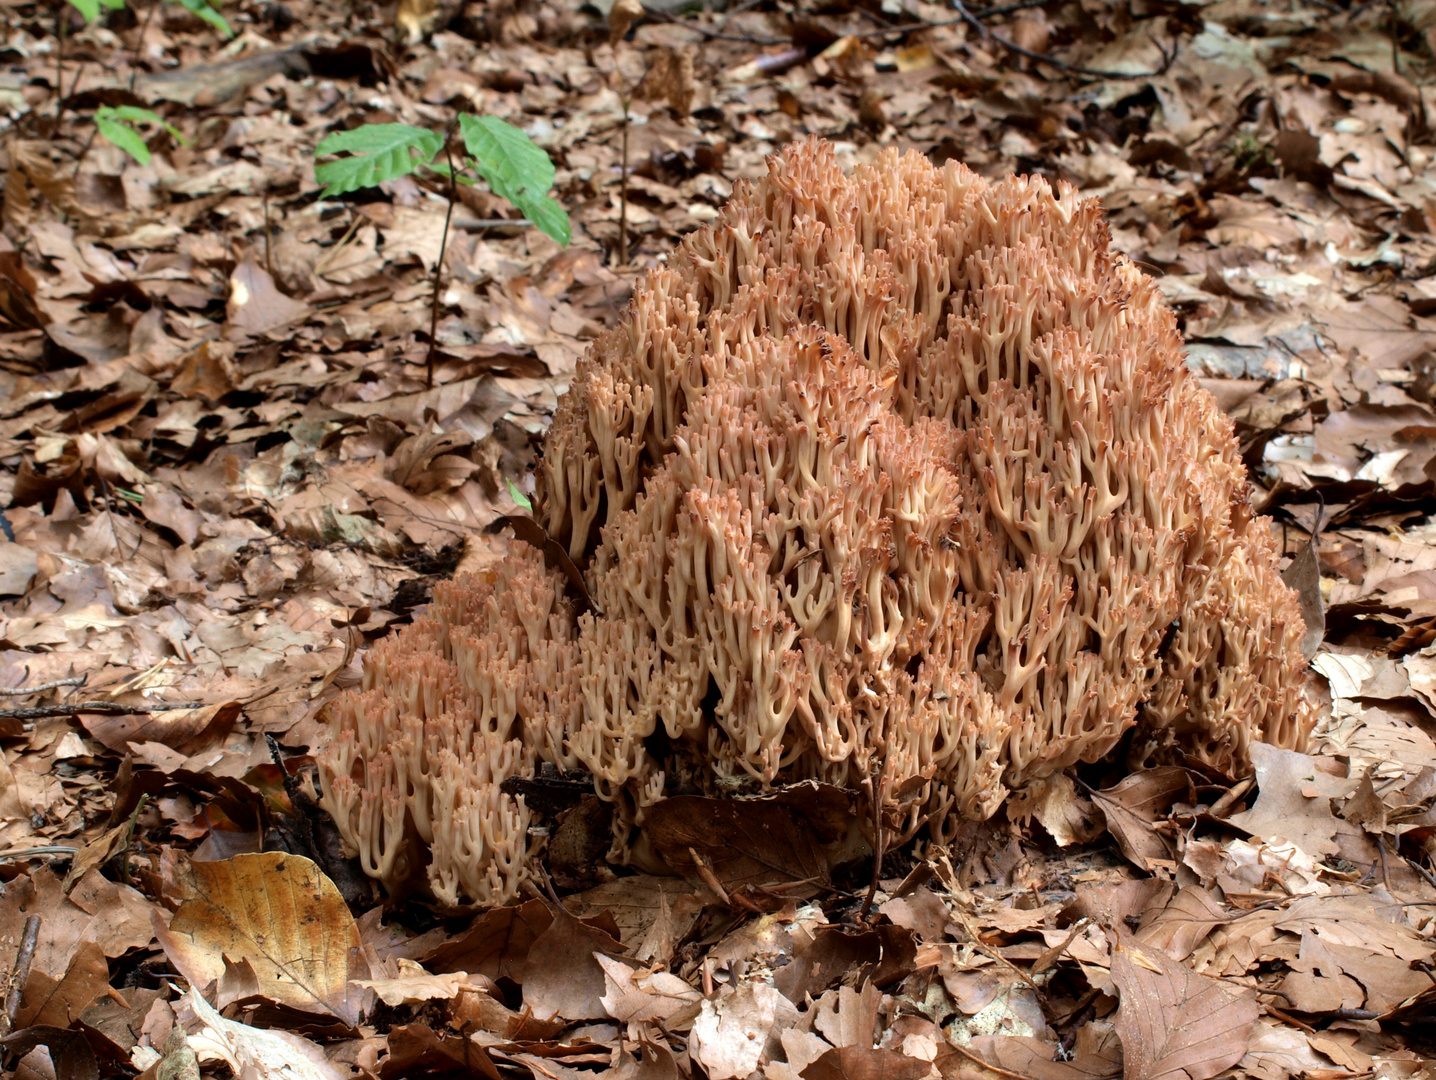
(894, 474)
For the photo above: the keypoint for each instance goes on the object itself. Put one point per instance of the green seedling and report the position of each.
(506, 159)
(120, 125)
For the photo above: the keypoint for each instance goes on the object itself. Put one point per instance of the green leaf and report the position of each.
(90, 9)
(517, 169)
(507, 158)
(549, 215)
(520, 499)
(517, 494)
(120, 124)
(382, 152)
(206, 12)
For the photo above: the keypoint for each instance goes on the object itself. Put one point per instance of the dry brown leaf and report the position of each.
(865, 1063)
(1175, 1024)
(563, 976)
(256, 306)
(48, 1002)
(279, 914)
(187, 731)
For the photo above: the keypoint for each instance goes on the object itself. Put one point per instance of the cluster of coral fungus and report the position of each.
(890, 476)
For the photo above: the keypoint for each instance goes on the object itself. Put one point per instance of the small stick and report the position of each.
(20, 973)
(705, 871)
(986, 1064)
(21, 691)
(36, 852)
(1287, 1018)
(42, 712)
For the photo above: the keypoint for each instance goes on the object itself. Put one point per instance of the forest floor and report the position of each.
(224, 474)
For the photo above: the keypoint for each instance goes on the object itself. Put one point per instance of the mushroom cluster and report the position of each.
(894, 478)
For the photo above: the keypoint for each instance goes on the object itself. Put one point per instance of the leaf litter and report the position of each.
(225, 475)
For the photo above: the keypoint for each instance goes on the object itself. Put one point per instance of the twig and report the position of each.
(40, 712)
(705, 871)
(475, 224)
(21, 691)
(1425, 874)
(140, 43)
(20, 973)
(1287, 1018)
(987, 1064)
(36, 852)
(1061, 65)
(439, 270)
(988, 951)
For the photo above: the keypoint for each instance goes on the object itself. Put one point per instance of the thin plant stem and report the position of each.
(623, 194)
(62, 23)
(268, 235)
(439, 269)
(140, 43)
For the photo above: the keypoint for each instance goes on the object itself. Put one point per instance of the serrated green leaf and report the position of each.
(517, 169)
(508, 159)
(205, 11)
(382, 152)
(520, 499)
(90, 9)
